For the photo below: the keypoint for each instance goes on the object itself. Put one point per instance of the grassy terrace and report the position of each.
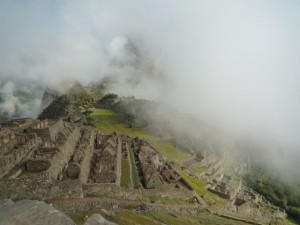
(108, 121)
(198, 186)
(134, 173)
(199, 169)
(125, 175)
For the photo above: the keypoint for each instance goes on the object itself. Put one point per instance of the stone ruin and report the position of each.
(105, 160)
(154, 171)
(58, 157)
(52, 158)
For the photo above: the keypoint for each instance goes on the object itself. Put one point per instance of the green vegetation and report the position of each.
(28, 174)
(169, 150)
(125, 217)
(134, 173)
(277, 192)
(108, 121)
(125, 175)
(132, 218)
(201, 218)
(198, 186)
(79, 217)
(199, 169)
(80, 97)
(128, 217)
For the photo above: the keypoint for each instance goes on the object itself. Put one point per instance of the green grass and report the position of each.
(132, 218)
(191, 219)
(134, 173)
(78, 217)
(198, 186)
(168, 149)
(125, 174)
(125, 217)
(28, 174)
(199, 169)
(108, 121)
(128, 217)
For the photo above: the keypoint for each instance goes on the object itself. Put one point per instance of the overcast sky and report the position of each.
(234, 63)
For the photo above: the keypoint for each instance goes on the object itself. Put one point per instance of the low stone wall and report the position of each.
(37, 165)
(66, 189)
(119, 161)
(223, 195)
(26, 187)
(241, 220)
(110, 190)
(50, 130)
(15, 156)
(173, 209)
(168, 191)
(76, 205)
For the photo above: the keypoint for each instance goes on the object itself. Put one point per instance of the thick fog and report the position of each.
(234, 64)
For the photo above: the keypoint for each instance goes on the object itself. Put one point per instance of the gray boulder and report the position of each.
(32, 212)
(97, 219)
(5, 202)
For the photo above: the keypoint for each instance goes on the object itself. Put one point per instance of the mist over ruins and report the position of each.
(159, 112)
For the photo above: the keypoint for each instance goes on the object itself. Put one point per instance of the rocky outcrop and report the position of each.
(61, 108)
(97, 219)
(48, 97)
(5, 202)
(32, 212)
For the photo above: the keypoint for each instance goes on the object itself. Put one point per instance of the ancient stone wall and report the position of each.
(115, 205)
(172, 209)
(94, 204)
(119, 161)
(110, 190)
(7, 140)
(86, 161)
(66, 189)
(37, 165)
(26, 187)
(104, 162)
(19, 153)
(61, 158)
(47, 130)
(168, 191)
(79, 164)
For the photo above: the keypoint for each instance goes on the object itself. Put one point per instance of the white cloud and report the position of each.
(232, 63)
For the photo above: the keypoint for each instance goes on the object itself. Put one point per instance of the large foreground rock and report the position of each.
(31, 212)
(97, 219)
(5, 202)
